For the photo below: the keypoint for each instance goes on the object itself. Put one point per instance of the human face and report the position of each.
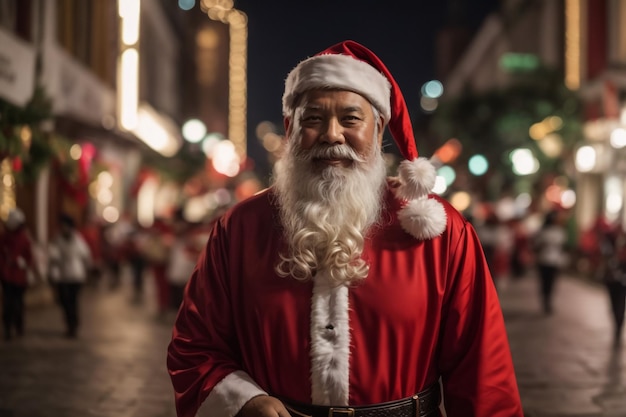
(337, 117)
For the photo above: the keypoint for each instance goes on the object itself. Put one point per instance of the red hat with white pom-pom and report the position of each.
(351, 66)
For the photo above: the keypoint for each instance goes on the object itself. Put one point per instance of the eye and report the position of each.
(310, 119)
(351, 119)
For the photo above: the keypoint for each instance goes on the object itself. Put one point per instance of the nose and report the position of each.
(333, 134)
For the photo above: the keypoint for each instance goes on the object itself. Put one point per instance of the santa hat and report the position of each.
(351, 66)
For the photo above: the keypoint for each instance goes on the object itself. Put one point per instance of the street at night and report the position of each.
(565, 362)
(339, 197)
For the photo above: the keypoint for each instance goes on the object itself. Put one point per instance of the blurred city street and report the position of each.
(565, 363)
(128, 127)
(116, 367)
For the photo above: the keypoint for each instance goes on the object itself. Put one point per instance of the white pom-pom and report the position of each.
(417, 178)
(423, 218)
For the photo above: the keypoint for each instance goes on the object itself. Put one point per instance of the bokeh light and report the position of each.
(551, 145)
(209, 142)
(447, 173)
(585, 158)
(568, 199)
(524, 162)
(618, 138)
(429, 104)
(461, 200)
(449, 151)
(440, 185)
(186, 4)
(478, 165)
(110, 214)
(432, 89)
(194, 130)
(225, 158)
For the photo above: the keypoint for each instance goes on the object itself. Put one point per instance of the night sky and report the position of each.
(401, 32)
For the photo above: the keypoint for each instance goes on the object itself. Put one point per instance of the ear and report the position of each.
(287, 126)
(381, 129)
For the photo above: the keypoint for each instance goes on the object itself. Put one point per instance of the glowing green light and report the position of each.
(447, 173)
(515, 62)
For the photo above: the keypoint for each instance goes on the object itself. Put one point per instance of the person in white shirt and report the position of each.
(551, 254)
(70, 260)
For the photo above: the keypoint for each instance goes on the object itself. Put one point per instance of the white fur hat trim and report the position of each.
(417, 178)
(339, 72)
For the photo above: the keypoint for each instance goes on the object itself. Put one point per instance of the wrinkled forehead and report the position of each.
(335, 99)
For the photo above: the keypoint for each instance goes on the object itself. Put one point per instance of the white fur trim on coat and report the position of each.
(423, 218)
(330, 343)
(230, 395)
(341, 72)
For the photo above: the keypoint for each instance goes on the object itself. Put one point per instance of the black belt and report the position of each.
(422, 404)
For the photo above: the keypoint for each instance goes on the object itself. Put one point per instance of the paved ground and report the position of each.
(565, 363)
(116, 368)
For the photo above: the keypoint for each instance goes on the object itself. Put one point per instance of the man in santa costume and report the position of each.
(339, 291)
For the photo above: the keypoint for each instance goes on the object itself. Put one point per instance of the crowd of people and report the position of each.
(516, 248)
(166, 252)
(539, 244)
(95, 254)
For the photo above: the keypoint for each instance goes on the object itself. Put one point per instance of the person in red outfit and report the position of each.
(338, 290)
(16, 259)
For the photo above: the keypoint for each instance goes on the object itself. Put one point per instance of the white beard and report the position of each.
(326, 213)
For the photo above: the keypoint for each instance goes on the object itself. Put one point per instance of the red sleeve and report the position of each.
(477, 370)
(203, 349)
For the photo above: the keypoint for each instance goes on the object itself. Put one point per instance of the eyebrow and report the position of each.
(351, 109)
(347, 109)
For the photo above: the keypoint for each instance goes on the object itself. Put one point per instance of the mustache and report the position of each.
(321, 151)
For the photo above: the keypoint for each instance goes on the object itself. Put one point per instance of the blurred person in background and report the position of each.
(16, 264)
(183, 256)
(610, 269)
(91, 231)
(153, 245)
(497, 241)
(616, 286)
(339, 290)
(70, 262)
(551, 256)
(521, 252)
(134, 251)
(114, 248)
(111, 257)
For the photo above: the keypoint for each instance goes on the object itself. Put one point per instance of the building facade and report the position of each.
(97, 91)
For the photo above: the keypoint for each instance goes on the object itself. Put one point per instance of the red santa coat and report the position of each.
(427, 310)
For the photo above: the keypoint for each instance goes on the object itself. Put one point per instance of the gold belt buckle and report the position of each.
(340, 412)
